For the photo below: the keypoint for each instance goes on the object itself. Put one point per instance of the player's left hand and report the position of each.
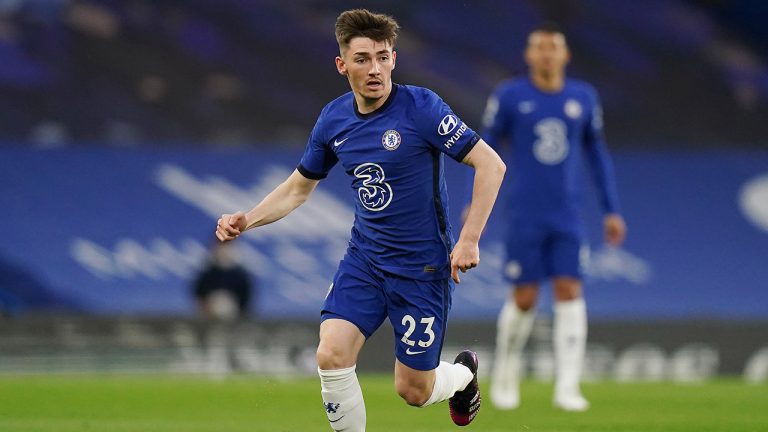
(464, 256)
(615, 229)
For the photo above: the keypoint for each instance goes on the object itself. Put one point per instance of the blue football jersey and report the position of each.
(394, 158)
(549, 135)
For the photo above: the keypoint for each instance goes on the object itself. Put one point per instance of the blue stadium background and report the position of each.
(128, 126)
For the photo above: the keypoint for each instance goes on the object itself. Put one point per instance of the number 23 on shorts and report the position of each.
(410, 323)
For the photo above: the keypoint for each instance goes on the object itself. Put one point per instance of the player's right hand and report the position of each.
(230, 226)
(615, 229)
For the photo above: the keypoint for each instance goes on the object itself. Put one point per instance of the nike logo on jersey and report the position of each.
(409, 352)
(337, 143)
(526, 107)
(334, 421)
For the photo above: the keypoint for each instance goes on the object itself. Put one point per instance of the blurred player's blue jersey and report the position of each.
(394, 158)
(549, 134)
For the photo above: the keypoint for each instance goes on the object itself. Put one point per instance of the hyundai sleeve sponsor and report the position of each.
(124, 231)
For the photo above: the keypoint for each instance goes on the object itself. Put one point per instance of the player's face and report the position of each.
(547, 53)
(368, 65)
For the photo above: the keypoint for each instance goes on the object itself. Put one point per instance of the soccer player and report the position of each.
(551, 123)
(401, 261)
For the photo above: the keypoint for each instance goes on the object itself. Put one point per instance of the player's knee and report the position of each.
(525, 302)
(567, 296)
(329, 358)
(567, 290)
(525, 297)
(413, 395)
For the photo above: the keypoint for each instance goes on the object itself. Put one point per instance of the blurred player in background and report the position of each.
(401, 259)
(551, 123)
(223, 288)
(223, 291)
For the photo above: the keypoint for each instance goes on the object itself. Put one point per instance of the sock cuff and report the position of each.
(570, 306)
(449, 378)
(337, 379)
(336, 373)
(512, 315)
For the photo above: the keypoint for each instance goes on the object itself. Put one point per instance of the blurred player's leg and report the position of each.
(512, 331)
(570, 336)
(340, 342)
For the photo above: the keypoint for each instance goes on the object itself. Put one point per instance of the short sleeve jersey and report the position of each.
(394, 159)
(550, 134)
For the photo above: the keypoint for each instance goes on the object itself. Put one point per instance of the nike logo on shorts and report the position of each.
(409, 352)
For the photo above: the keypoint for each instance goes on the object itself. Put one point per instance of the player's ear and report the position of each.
(527, 56)
(341, 66)
(394, 58)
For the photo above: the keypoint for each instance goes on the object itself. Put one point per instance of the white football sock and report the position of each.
(343, 399)
(449, 378)
(570, 338)
(513, 329)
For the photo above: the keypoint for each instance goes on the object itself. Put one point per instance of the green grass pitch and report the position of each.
(115, 403)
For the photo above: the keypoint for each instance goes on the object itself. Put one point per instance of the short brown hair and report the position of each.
(549, 27)
(364, 23)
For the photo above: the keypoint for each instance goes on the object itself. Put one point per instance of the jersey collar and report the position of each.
(378, 110)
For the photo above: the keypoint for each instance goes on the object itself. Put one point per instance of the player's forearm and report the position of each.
(485, 189)
(273, 207)
(604, 177)
(281, 201)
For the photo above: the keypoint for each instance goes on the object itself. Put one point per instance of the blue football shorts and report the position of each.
(417, 310)
(537, 251)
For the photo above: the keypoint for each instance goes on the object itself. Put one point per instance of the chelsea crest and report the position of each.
(391, 140)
